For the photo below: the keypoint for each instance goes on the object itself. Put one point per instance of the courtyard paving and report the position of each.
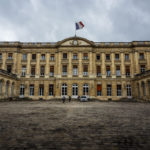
(50, 125)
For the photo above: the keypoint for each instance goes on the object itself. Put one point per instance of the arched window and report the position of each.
(128, 90)
(143, 88)
(85, 89)
(6, 90)
(64, 89)
(22, 90)
(12, 89)
(74, 90)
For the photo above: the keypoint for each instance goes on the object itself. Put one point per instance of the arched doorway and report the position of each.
(85, 89)
(6, 89)
(75, 90)
(64, 89)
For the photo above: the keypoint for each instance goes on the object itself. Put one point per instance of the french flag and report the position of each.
(79, 25)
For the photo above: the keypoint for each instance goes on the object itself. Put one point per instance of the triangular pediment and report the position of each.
(75, 41)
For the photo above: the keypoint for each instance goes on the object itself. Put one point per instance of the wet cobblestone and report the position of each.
(50, 125)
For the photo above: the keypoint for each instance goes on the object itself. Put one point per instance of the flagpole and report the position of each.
(75, 29)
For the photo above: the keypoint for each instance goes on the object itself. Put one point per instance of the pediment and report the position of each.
(75, 41)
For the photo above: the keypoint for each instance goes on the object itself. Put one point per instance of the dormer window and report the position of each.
(64, 55)
(10, 55)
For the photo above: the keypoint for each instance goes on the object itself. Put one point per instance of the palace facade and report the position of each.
(73, 67)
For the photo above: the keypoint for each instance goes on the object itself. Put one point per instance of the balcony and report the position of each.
(64, 73)
(9, 61)
(64, 61)
(99, 75)
(51, 74)
(75, 61)
(33, 61)
(85, 61)
(142, 61)
(85, 74)
(24, 60)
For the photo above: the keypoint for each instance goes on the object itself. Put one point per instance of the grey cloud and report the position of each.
(48, 20)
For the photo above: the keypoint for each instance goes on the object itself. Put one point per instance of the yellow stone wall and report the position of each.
(80, 47)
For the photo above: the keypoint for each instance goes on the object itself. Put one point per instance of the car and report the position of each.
(83, 98)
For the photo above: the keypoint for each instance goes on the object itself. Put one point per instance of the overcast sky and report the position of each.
(54, 20)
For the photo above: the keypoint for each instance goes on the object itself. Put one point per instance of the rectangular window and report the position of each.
(99, 90)
(98, 71)
(52, 57)
(75, 56)
(32, 70)
(98, 57)
(107, 56)
(108, 90)
(141, 56)
(51, 71)
(129, 90)
(116, 56)
(24, 56)
(23, 71)
(117, 71)
(42, 71)
(118, 90)
(33, 56)
(0, 55)
(10, 55)
(75, 70)
(64, 55)
(85, 56)
(64, 70)
(108, 71)
(85, 70)
(22, 89)
(127, 71)
(9, 68)
(43, 57)
(31, 90)
(126, 57)
(51, 90)
(41, 90)
(142, 68)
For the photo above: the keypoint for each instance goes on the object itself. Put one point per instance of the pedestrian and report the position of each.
(63, 99)
(69, 98)
(79, 98)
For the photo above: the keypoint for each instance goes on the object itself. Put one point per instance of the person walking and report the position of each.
(69, 98)
(63, 99)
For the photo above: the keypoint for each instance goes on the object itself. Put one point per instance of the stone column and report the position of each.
(104, 88)
(103, 66)
(4, 61)
(19, 67)
(3, 88)
(114, 88)
(15, 61)
(27, 89)
(37, 65)
(28, 65)
(124, 90)
(132, 64)
(46, 89)
(122, 67)
(59, 65)
(47, 67)
(148, 60)
(90, 65)
(70, 65)
(80, 65)
(136, 58)
(113, 70)
(36, 89)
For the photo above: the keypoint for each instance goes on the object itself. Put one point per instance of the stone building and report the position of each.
(73, 67)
